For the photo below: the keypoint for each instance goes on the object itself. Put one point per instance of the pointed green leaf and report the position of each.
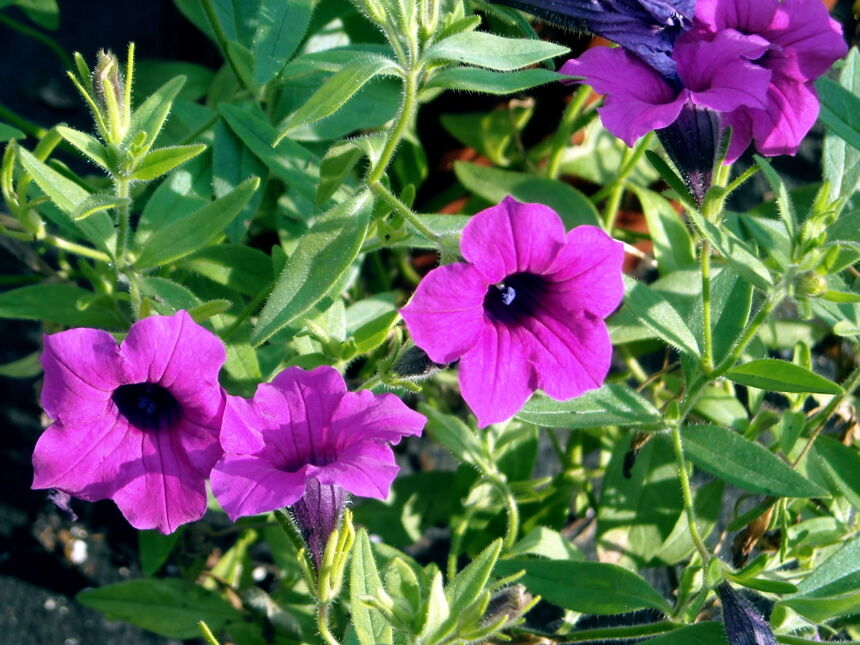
(612, 404)
(474, 79)
(781, 376)
(7, 133)
(472, 580)
(149, 117)
(232, 163)
(437, 613)
(184, 236)
(673, 246)
(336, 91)
(454, 435)
(744, 463)
(678, 186)
(26, 367)
(370, 627)
(842, 466)
(588, 587)
(96, 203)
(547, 544)
(89, 145)
(321, 257)
(242, 268)
(842, 161)
(493, 52)
(656, 313)
(64, 304)
(335, 167)
(783, 200)
(281, 26)
(154, 548)
(163, 160)
(840, 110)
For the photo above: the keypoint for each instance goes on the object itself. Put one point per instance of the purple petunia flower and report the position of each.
(647, 28)
(803, 41)
(303, 440)
(136, 423)
(525, 311)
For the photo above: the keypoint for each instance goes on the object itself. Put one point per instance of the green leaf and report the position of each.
(166, 606)
(708, 633)
(63, 304)
(154, 549)
(546, 543)
(494, 185)
(840, 110)
(26, 367)
(472, 580)
(288, 160)
(612, 404)
(783, 201)
(336, 91)
(163, 160)
(184, 236)
(149, 117)
(671, 177)
(321, 257)
(372, 334)
(494, 52)
(781, 376)
(832, 587)
(241, 268)
(335, 168)
(454, 435)
(96, 203)
(588, 587)
(707, 501)
(151, 73)
(673, 246)
(841, 161)
(45, 13)
(658, 315)
(735, 252)
(744, 463)
(232, 163)
(67, 195)
(281, 26)
(472, 79)
(438, 611)
(167, 296)
(7, 132)
(88, 145)
(842, 465)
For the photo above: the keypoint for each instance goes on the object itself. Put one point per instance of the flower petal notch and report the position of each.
(524, 311)
(137, 423)
(304, 441)
(647, 28)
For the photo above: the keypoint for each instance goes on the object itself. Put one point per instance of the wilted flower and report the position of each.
(302, 441)
(647, 28)
(802, 42)
(136, 423)
(525, 311)
(744, 624)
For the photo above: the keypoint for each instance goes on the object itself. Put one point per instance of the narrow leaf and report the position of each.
(493, 52)
(64, 304)
(655, 312)
(783, 200)
(149, 117)
(612, 404)
(281, 26)
(163, 160)
(840, 110)
(370, 627)
(781, 376)
(88, 145)
(96, 203)
(473, 79)
(673, 246)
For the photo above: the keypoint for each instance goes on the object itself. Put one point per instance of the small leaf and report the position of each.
(232, 163)
(88, 145)
(546, 543)
(154, 549)
(472, 79)
(842, 465)
(184, 236)
(454, 435)
(335, 167)
(281, 26)
(494, 52)
(588, 587)
(783, 200)
(467, 584)
(242, 268)
(166, 606)
(612, 404)
(655, 312)
(744, 463)
(705, 633)
(336, 91)
(781, 376)
(840, 110)
(671, 177)
(163, 160)
(321, 257)
(26, 367)
(436, 624)
(673, 246)
(7, 133)
(63, 304)
(96, 203)
(149, 117)
(372, 334)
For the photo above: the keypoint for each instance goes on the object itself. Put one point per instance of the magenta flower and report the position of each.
(136, 423)
(524, 311)
(303, 440)
(803, 41)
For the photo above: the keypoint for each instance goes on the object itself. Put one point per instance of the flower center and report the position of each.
(147, 406)
(514, 298)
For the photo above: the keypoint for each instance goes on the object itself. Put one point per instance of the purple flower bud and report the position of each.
(692, 143)
(318, 513)
(744, 625)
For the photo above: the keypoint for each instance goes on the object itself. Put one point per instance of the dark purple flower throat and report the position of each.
(516, 297)
(147, 406)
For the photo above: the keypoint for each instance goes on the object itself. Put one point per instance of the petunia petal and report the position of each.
(742, 132)
(791, 112)
(809, 40)
(495, 376)
(512, 237)
(365, 469)
(638, 99)
(82, 369)
(246, 485)
(586, 275)
(446, 312)
(743, 15)
(178, 354)
(365, 416)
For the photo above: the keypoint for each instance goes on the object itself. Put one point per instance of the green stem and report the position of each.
(247, 312)
(513, 510)
(741, 179)
(687, 495)
(371, 383)
(610, 211)
(78, 249)
(322, 624)
(124, 212)
(45, 39)
(208, 636)
(618, 633)
(708, 354)
(631, 157)
(565, 130)
(407, 112)
(381, 191)
(21, 123)
(221, 38)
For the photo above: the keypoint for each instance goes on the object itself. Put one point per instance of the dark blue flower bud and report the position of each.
(744, 625)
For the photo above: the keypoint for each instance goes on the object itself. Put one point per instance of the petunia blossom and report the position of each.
(137, 422)
(305, 441)
(803, 41)
(524, 311)
(648, 28)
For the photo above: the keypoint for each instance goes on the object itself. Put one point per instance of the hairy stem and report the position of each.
(708, 353)
(322, 624)
(407, 113)
(687, 495)
(565, 130)
(381, 191)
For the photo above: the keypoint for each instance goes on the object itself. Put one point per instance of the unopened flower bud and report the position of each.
(692, 143)
(744, 624)
(109, 88)
(415, 365)
(809, 284)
